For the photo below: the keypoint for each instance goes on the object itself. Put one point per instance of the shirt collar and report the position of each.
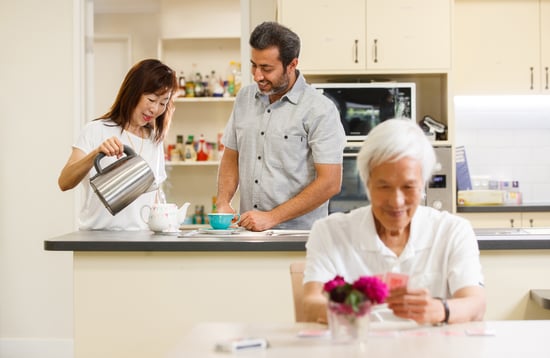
(416, 240)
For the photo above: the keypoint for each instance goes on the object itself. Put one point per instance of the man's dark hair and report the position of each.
(273, 34)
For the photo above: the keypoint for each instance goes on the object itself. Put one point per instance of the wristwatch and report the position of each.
(446, 308)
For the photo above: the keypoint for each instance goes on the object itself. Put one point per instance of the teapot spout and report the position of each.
(182, 212)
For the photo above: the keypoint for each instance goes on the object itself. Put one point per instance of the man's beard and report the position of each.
(281, 88)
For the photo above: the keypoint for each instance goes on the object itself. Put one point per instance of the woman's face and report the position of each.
(149, 107)
(395, 192)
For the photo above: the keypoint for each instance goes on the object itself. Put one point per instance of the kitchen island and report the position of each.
(136, 293)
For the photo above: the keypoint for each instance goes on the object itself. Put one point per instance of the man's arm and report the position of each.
(228, 180)
(315, 303)
(327, 184)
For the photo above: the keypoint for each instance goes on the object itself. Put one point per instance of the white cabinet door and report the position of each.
(545, 45)
(493, 220)
(332, 33)
(390, 36)
(409, 35)
(496, 47)
(535, 219)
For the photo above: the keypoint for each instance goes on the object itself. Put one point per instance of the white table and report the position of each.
(497, 339)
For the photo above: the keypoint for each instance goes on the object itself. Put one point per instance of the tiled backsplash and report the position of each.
(507, 138)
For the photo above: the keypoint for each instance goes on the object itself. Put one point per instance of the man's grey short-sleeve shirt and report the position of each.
(279, 143)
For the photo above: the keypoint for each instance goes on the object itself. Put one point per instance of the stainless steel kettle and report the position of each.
(120, 183)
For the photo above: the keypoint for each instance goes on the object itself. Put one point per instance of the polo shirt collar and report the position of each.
(417, 240)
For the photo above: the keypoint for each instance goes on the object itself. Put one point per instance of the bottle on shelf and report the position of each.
(230, 79)
(215, 87)
(190, 153)
(238, 78)
(214, 208)
(181, 85)
(199, 87)
(176, 154)
(202, 152)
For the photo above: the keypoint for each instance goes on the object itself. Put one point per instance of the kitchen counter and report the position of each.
(488, 239)
(504, 208)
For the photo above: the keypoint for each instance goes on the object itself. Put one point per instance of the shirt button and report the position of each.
(286, 137)
(269, 111)
(259, 157)
(262, 133)
(255, 206)
(256, 181)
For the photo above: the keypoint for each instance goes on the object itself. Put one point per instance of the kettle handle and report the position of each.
(128, 150)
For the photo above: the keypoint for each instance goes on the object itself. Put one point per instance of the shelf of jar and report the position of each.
(204, 99)
(193, 163)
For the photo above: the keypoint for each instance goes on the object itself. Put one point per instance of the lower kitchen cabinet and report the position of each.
(508, 219)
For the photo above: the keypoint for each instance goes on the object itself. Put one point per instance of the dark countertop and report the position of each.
(149, 241)
(504, 208)
(488, 239)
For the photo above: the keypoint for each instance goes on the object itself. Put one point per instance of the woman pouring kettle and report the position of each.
(139, 118)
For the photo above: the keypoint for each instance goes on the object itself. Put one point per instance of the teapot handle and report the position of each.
(128, 150)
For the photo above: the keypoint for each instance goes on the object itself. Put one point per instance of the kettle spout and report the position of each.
(182, 212)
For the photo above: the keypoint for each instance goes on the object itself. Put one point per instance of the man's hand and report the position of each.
(416, 304)
(257, 220)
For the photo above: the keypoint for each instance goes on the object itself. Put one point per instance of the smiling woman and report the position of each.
(139, 118)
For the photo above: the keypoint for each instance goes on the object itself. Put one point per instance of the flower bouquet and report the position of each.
(350, 303)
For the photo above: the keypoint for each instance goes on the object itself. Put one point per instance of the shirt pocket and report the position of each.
(285, 150)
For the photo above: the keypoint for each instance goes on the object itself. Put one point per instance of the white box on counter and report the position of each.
(480, 197)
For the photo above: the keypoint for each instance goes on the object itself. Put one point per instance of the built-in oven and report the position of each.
(352, 195)
(439, 193)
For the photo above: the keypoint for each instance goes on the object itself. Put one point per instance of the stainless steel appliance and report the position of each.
(439, 193)
(364, 105)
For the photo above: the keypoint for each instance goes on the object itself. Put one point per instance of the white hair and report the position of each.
(391, 141)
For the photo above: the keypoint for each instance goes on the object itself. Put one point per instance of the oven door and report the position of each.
(352, 195)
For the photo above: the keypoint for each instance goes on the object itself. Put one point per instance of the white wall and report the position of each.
(38, 102)
(507, 138)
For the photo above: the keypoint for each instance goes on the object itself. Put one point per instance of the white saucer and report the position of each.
(175, 233)
(218, 231)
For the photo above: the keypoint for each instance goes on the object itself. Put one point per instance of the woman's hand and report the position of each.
(111, 146)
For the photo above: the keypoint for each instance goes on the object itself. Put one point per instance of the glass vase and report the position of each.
(347, 326)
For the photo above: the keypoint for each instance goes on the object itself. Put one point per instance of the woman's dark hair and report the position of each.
(146, 76)
(269, 34)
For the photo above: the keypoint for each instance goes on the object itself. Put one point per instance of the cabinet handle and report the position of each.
(356, 51)
(375, 51)
(532, 77)
(546, 75)
(511, 222)
(531, 222)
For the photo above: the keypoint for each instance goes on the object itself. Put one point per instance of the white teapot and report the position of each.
(164, 217)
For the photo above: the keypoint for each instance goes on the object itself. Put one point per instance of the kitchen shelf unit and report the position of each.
(198, 37)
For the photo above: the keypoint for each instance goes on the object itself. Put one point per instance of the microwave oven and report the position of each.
(364, 105)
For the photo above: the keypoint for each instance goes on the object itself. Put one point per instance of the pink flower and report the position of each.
(372, 287)
(355, 298)
(335, 282)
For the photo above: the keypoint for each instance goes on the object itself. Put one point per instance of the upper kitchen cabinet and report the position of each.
(371, 36)
(501, 47)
